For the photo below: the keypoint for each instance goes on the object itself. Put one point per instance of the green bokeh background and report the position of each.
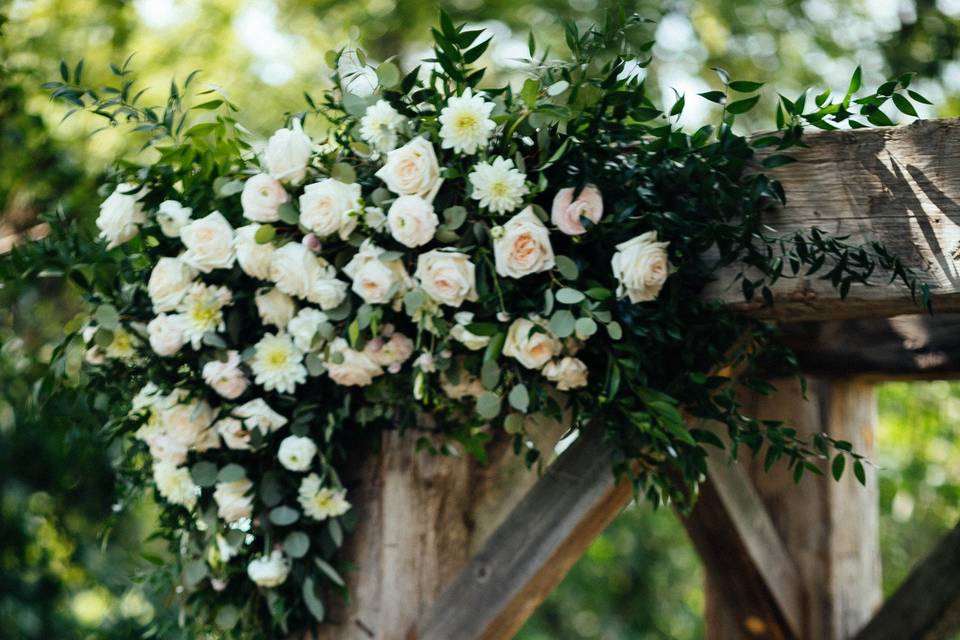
(69, 563)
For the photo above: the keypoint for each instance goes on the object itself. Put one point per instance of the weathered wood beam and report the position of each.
(904, 347)
(897, 185)
(927, 604)
(533, 549)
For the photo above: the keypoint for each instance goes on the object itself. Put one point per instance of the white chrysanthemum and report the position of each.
(465, 123)
(379, 125)
(321, 502)
(175, 484)
(498, 185)
(277, 363)
(202, 311)
(123, 346)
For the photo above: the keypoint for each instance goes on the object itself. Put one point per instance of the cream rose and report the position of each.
(328, 292)
(234, 499)
(470, 340)
(269, 571)
(226, 378)
(412, 170)
(566, 211)
(288, 153)
(172, 216)
(275, 307)
(523, 247)
(209, 243)
(295, 269)
(412, 221)
(374, 280)
(349, 367)
(257, 414)
(390, 353)
(530, 343)
(447, 276)
(121, 215)
(166, 334)
(169, 282)
(254, 258)
(296, 453)
(235, 435)
(261, 198)
(568, 373)
(641, 267)
(330, 206)
(304, 326)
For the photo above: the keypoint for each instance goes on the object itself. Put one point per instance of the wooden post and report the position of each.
(829, 529)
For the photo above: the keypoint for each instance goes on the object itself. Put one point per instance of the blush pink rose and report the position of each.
(567, 211)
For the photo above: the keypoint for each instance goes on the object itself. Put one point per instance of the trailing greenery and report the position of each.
(649, 370)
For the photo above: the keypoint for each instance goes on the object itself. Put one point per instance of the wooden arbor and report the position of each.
(449, 550)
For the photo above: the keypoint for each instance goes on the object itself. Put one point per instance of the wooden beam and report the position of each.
(905, 347)
(927, 604)
(897, 185)
(532, 549)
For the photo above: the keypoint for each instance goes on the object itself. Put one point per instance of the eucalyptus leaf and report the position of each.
(284, 516)
(488, 405)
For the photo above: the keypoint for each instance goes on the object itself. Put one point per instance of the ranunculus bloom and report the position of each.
(209, 243)
(641, 267)
(288, 153)
(447, 276)
(330, 207)
(566, 212)
(524, 247)
(261, 198)
(354, 369)
(412, 170)
(412, 221)
(568, 373)
(296, 453)
(531, 346)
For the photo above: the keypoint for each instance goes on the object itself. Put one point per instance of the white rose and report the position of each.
(275, 307)
(568, 373)
(169, 282)
(254, 258)
(330, 206)
(209, 243)
(412, 170)
(234, 499)
(304, 326)
(374, 280)
(354, 369)
(470, 340)
(181, 426)
(566, 211)
(235, 435)
(288, 153)
(269, 571)
(328, 292)
(524, 247)
(173, 216)
(226, 378)
(531, 348)
(295, 269)
(356, 77)
(447, 276)
(261, 198)
(166, 334)
(121, 215)
(257, 414)
(641, 267)
(412, 221)
(296, 453)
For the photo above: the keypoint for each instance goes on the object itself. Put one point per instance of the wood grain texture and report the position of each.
(532, 549)
(927, 604)
(897, 185)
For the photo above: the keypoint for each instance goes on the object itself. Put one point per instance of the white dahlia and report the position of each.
(321, 502)
(379, 125)
(498, 185)
(465, 123)
(277, 363)
(202, 311)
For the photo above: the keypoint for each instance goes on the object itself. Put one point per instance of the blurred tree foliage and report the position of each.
(641, 579)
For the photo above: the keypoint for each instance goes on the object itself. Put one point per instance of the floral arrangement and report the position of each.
(433, 252)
